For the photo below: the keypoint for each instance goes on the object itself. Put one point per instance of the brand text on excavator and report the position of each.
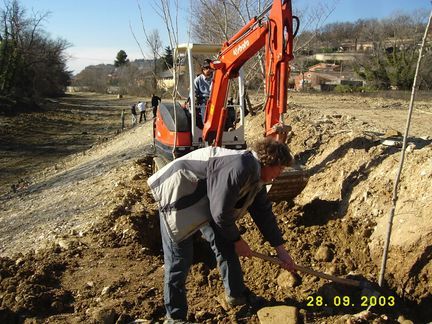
(241, 47)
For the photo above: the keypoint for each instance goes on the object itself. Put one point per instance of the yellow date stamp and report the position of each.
(347, 301)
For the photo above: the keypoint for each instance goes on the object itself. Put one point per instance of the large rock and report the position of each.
(103, 315)
(278, 315)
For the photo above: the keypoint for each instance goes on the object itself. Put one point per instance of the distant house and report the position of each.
(113, 90)
(357, 46)
(324, 77)
(350, 57)
(72, 89)
(165, 79)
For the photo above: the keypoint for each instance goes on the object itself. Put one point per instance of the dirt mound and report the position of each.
(97, 228)
(30, 285)
(346, 203)
(112, 270)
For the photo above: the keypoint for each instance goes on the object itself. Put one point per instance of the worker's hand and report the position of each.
(242, 248)
(284, 256)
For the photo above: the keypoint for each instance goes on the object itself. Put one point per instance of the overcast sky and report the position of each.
(98, 29)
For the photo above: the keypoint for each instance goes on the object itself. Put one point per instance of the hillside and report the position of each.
(80, 240)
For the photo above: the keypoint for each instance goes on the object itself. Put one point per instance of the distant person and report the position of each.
(133, 114)
(141, 109)
(122, 118)
(202, 86)
(155, 100)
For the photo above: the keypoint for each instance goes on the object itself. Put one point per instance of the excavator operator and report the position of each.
(202, 86)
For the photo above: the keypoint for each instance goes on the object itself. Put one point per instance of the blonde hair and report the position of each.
(271, 152)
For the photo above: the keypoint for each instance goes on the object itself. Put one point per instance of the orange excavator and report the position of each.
(177, 130)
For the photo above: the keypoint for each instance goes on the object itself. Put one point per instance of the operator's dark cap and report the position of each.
(206, 63)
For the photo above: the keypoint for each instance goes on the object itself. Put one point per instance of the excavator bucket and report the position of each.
(288, 185)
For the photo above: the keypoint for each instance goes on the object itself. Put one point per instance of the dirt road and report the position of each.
(31, 142)
(79, 234)
(381, 113)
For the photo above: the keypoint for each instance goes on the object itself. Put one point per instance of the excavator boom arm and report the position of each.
(275, 34)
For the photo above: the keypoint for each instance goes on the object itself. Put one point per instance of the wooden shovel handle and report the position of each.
(297, 267)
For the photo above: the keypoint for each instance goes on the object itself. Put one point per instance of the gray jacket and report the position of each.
(213, 184)
(202, 87)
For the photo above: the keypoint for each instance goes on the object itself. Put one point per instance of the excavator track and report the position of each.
(288, 185)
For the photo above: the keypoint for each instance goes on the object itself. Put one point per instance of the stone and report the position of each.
(104, 315)
(389, 142)
(332, 269)
(343, 320)
(105, 290)
(324, 253)
(391, 133)
(278, 314)
(363, 316)
(410, 148)
(402, 320)
(64, 245)
(19, 261)
(288, 280)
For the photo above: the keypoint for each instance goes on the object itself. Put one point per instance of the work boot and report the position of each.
(248, 298)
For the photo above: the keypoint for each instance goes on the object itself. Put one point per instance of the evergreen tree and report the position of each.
(121, 59)
(168, 58)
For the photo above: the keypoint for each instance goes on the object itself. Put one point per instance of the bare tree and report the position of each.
(155, 44)
(31, 64)
(217, 21)
(167, 10)
(312, 17)
(129, 81)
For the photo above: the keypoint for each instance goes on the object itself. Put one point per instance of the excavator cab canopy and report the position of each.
(190, 56)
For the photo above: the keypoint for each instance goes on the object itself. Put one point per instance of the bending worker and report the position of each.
(207, 190)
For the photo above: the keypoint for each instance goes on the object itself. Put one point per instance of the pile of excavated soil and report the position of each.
(346, 204)
(105, 265)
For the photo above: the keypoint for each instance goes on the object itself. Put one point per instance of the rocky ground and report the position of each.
(79, 229)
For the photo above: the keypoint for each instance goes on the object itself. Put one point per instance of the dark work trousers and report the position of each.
(142, 114)
(178, 258)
